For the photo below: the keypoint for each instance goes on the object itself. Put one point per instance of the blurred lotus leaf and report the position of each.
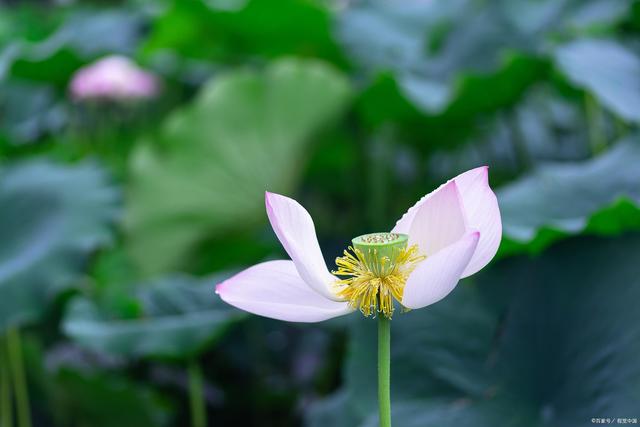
(177, 317)
(206, 171)
(51, 218)
(83, 36)
(537, 18)
(550, 125)
(29, 111)
(232, 29)
(443, 61)
(454, 64)
(101, 400)
(600, 195)
(532, 342)
(334, 410)
(606, 69)
(544, 126)
(359, 107)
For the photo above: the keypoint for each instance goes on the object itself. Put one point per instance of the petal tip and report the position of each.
(220, 288)
(273, 198)
(268, 202)
(267, 196)
(483, 173)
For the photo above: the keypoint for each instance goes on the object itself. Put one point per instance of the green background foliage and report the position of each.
(117, 219)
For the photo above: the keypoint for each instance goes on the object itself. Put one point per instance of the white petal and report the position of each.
(481, 212)
(274, 289)
(438, 275)
(439, 221)
(295, 230)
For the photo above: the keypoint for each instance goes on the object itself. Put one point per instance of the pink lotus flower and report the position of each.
(114, 78)
(449, 234)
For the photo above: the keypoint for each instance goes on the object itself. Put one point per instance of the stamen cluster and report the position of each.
(372, 282)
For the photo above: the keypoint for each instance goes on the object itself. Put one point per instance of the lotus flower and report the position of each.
(115, 78)
(449, 234)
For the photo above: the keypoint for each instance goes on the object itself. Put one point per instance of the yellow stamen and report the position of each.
(372, 282)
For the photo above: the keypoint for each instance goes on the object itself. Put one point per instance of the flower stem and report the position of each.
(378, 155)
(384, 370)
(16, 363)
(6, 414)
(597, 136)
(196, 395)
(517, 140)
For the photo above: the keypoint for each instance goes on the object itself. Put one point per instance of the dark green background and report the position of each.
(118, 219)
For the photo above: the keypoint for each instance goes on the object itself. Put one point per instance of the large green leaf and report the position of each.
(545, 126)
(177, 316)
(550, 125)
(206, 172)
(100, 400)
(454, 60)
(235, 29)
(429, 45)
(606, 69)
(29, 111)
(51, 218)
(548, 341)
(85, 35)
(599, 195)
(334, 411)
(536, 18)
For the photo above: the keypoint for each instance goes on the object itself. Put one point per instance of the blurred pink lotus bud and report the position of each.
(113, 77)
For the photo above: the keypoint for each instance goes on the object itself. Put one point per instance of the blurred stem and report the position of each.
(621, 128)
(517, 139)
(384, 370)
(597, 138)
(20, 389)
(378, 170)
(5, 389)
(196, 394)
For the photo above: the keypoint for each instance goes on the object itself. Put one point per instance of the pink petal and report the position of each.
(114, 77)
(438, 275)
(295, 230)
(274, 289)
(481, 212)
(439, 221)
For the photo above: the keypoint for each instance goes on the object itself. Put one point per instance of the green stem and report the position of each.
(6, 413)
(19, 378)
(196, 395)
(518, 142)
(378, 170)
(384, 370)
(597, 137)
(621, 128)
